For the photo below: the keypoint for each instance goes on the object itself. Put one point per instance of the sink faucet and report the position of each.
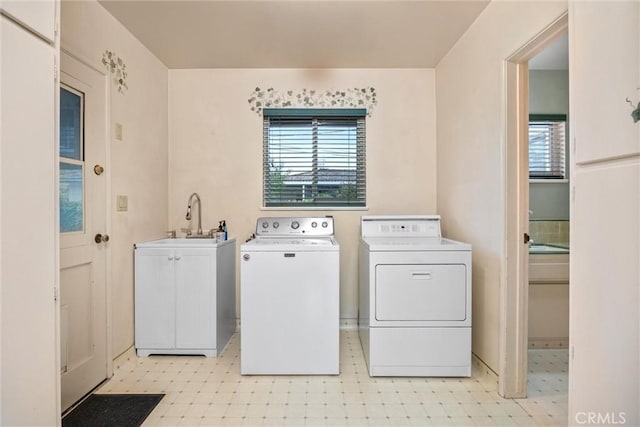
(188, 217)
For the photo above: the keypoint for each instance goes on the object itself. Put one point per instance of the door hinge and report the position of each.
(55, 72)
(55, 293)
(526, 238)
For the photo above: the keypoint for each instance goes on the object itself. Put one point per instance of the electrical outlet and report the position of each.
(122, 203)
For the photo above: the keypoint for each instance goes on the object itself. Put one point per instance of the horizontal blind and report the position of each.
(316, 160)
(547, 149)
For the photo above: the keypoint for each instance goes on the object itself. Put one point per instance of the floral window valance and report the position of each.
(309, 98)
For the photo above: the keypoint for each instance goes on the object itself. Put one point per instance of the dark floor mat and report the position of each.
(112, 410)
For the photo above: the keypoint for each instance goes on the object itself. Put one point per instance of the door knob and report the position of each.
(98, 170)
(99, 238)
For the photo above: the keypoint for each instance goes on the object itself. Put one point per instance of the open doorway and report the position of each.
(548, 265)
(515, 296)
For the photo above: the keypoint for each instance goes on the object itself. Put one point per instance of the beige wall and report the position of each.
(215, 149)
(138, 163)
(471, 186)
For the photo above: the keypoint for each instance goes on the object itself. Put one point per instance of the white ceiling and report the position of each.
(297, 33)
(554, 57)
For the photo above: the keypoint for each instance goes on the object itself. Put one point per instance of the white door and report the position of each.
(28, 262)
(83, 322)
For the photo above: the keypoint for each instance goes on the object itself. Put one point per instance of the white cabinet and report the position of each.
(605, 40)
(38, 16)
(184, 296)
(28, 141)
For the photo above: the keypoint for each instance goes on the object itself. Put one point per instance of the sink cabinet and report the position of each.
(184, 296)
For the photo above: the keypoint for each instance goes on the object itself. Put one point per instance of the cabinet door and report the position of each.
(39, 16)
(154, 299)
(28, 228)
(604, 73)
(195, 298)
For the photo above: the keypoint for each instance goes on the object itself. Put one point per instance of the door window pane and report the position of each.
(70, 124)
(71, 197)
(71, 160)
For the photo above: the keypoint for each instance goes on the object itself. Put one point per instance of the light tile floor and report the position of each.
(211, 392)
(547, 386)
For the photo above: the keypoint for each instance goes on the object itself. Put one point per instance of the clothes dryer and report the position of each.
(414, 299)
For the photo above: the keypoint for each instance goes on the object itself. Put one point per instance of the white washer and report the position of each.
(290, 298)
(415, 298)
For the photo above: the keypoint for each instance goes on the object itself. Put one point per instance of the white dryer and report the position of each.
(290, 298)
(415, 298)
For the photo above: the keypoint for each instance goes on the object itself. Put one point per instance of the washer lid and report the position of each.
(291, 244)
(414, 244)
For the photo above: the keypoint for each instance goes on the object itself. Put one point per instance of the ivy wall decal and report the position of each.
(116, 66)
(308, 98)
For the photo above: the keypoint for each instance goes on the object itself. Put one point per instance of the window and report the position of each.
(547, 146)
(314, 157)
(71, 160)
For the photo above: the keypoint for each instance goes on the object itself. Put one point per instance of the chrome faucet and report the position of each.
(188, 216)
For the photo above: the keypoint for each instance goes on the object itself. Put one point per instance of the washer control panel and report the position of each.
(295, 226)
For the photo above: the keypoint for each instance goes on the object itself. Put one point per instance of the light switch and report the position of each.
(122, 203)
(118, 132)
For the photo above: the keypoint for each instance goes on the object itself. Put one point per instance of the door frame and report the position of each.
(514, 295)
(108, 205)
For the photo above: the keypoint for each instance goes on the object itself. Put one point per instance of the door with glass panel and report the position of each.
(83, 238)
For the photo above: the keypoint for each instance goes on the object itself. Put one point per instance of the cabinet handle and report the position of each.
(170, 257)
(178, 257)
(421, 276)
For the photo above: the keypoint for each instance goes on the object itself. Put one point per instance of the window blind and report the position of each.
(314, 157)
(547, 147)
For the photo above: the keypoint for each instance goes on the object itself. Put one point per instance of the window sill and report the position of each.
(313, 208)
(548, 181)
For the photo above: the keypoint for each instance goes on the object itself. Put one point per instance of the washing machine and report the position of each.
(414, 298)
(290, 298)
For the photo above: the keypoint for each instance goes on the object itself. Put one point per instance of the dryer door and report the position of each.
(421, 292)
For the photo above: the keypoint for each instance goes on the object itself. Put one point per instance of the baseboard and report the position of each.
(126, 360)
(481, 371)
(349, 324)
(345, 324)
(548, 343)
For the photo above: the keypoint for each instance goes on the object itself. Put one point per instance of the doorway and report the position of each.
(548, 282)
(83, 239)
(515, 295)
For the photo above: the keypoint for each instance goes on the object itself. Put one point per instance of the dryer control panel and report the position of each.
(295, 226)
(399, 226)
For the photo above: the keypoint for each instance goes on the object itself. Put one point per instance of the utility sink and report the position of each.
(182, 242)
